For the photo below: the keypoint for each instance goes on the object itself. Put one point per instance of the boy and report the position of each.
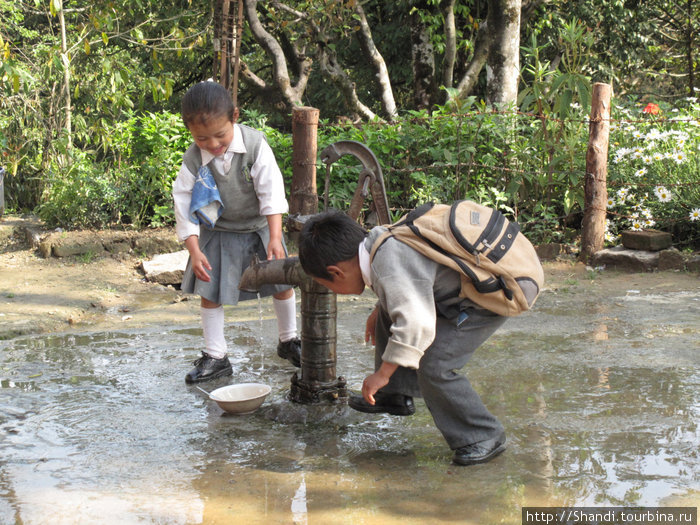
(422, 330)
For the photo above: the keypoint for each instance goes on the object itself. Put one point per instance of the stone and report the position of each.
(550, 251)
(621, 258)
(693, 264)
(83, 245)
(648, 240)
(162, 243)
(671, 259)
(166, 268)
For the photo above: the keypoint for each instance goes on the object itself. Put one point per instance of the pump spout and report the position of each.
(276, 271)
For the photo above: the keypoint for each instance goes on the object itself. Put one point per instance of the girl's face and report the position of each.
(214, 135)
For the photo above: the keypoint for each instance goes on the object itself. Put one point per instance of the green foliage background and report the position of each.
(130, 62)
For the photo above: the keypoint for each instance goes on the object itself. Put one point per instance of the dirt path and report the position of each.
(81, 293)
(39, 295)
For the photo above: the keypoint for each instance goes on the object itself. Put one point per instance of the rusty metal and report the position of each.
(317, 382)
(370, 181)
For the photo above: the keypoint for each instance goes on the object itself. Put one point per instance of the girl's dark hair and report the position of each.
(327, 239)
(205, 101)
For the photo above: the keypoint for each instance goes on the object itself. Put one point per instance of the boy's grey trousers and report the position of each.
(456, 408)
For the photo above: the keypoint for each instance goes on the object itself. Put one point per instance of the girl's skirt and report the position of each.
(229, 254)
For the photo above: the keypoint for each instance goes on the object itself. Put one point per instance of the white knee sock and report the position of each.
(286, 312)
(213, 329)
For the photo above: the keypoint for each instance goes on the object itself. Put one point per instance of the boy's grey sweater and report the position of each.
(412, 289)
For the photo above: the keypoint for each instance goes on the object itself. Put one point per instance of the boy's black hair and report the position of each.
(205, 101)
(327, 239)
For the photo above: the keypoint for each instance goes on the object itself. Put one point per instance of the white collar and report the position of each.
(363, 259)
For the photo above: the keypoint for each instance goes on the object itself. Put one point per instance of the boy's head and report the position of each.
(328, 251)
(209, 114)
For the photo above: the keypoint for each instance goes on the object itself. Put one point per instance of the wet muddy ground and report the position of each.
(598, 388)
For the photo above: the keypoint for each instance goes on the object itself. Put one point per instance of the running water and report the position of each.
(260, 339)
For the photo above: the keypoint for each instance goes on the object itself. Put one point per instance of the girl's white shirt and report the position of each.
(265, 173)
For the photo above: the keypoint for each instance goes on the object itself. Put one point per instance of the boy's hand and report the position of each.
(371, 384)
(371, 326)
(377, 380)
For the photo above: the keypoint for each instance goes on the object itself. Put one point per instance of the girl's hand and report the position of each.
(200, 264)
(275, 250)
(371, 326)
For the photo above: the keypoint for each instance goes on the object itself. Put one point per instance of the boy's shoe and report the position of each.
(207, 367)
(291, 351)
(394, 404)
(480, 452)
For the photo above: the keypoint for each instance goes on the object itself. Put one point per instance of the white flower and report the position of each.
(640, 172)
(658, 156)
(636, 225)
(622, 194)
(663, 194)
(679, 157)
(646, 212)
(611, 202)
(648, 223)
(609, 237)
(695, 214)
(654, 134)
(637, 134)
(647, 159)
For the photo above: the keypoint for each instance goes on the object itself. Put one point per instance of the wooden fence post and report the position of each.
(303, 196)
(595, 184)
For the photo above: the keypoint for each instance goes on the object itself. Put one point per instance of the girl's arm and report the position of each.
(275, 250)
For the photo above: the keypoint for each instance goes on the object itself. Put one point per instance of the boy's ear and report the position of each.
(335, 271)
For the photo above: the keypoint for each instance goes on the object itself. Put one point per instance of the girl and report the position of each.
(229, 200)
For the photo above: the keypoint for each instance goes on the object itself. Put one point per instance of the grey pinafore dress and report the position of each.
(239, 235)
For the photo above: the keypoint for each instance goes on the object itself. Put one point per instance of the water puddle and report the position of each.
(601, 408)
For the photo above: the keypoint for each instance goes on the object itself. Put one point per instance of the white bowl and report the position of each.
(243, 398)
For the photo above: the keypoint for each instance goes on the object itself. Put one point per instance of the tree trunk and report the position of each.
(377, 62)
(423, 60)
(481, 53)
(503, 64)
(291, 93)
(691, 44)
(337, 75)
(448, 63)
(66, 78)
(595, 184)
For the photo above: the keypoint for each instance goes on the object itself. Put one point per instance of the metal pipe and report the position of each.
(318, 382)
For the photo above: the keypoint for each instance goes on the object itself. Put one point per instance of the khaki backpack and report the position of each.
(499, 267)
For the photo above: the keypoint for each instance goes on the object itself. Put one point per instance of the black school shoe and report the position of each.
(480, 452)
(291, 351)
(207, 367)
(394, 404)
